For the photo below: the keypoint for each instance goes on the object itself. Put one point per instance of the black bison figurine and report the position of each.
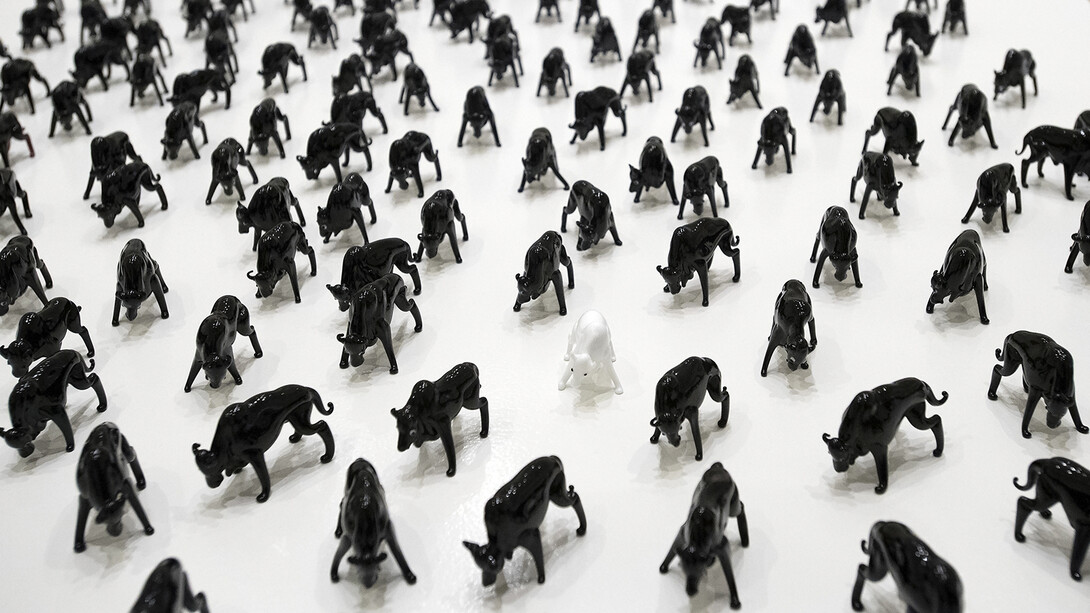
(991, 194)
(191, 87)
(691, 249)
(121, 189)
(263, 127)
(695, 109)
(702, 539)
(344, 208)
(350, 76)
(1071, 148)
(40, 333)
(503, 53)
(68, 102)
(36, 22)
(10, 128)
(915, 27)
(353, 108)
(745, 81)
(41, 395)
(699, 181)
(540, 158)
(226, 158)
(678, 396)
(102, 477)
(972, 107)
(327, 144)
(109, 153)
(269, 206)
(179, 129)
(405, 155)
(168, 585)
(415, 84)
(542, 265)
(926, 582)
(664, 7)
(384, 50)
(465, 16)
(595, 215)
(432, 406)
(955, 14)
(591, 109)
(476, 112)
(554, 68)
(586, 10)
(149, 36)
(964, 270)
(1017, 65)
(513, 516)
(370, 313)
(437, 220)
(19, 266)
(247, 429)
(1064, 481)
(640, 67)
(773, 6)
(739, 19)
(792, 315)
(362, 265)
(836, 236)
(1081, 241)
(831, 91)
(899, 130)
(363, 525)
(301, 8)
(548, 6)
(219, 54)
(774, 130)
(322, 28)
(144, 74)
(276, 257)
(801, 47)
(907, 66)
(215, 340)
(138, 278)
(275, 61)
(96, 60)
(710, 41)
(655, 170)
(876, 170)
(10, 189)
(834, 11)
(1047, 372)
(647, 27)
(870, 423)
(605, 40)
(15, 78)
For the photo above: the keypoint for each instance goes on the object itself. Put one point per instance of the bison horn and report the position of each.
(393, 412)
(341, 338)
(3, 351)
(196, 447)
(571, 125)
(900, 184)
(518, 277)
(825, 437)
(251, 275)
(659, 268)
(300, 159)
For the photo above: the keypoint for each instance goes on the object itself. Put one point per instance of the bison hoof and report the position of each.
(334, 578)
(937, 453)
(880, 489)
(81, 547)
(699, 457)
(1026, 434)
(70, 448)
(450, 472)
(295, 438)
(664, 569)
(114, 323)
(1082, 429)
(1021, 538)
(985, 320)
(1046, 514)
(258, 354)
(735, 604)
(149, 531)
(262, 497)
(410, 579)
(393, 370)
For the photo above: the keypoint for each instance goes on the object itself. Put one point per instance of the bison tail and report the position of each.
(90, 364)
(1025, 143)
(734, 242)
(328, 404)
(1031, 476)
(931, 399)
(999, 354)
(863, 545)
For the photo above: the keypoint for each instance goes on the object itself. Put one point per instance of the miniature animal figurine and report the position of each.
(196, 12)
(1081, 241)
(991, 194)
(40, 333)
(793, 313)
(10, 128)
(540, 158)
(548, 6)
(924, 581)
(15, 76)
(745, 81)
(383, 51)
(263, 127)
(695, 109)
(774, 130)
(513, 516)
(369, 316)
(144, 74)
(647, 27)
(226, 159)
(1071, 148)
(138, 278)
(10, 189)
(1047, 372)
(121, 189)
(302, 8)
(907, 67)
(665, 6)
(710, 41)
(542, 265)
(191, 87)
(275, 61)
(655, 170)
(437, 218)
(322, 28)
(964, 270)
(353, 108)
(67, 100)
(590, 350)
(215, 338)
(168, 585)
(477, 113)
(876, 170)
(220, 52)
(773, 6)
(678, 396)
(36, 22)
(899, 130)
(870, 423)
(921, 5)
(350, 76)
(553, 69)
(586, 10)
(102, 477)
(362, 265)
(465, 16)
(915, 27)
(692, 247)
(415, 84)
(836, 236)
(344, 206)
(247, 429)
(19, 266)
(432, 406)
(116, 31)
(363, 525)
(595, 215)
(327, 144)
(404, 158)
(834, 11)
(499, 26)
(268, 207)
(604, 40)
(1058, 480)
(41, 395)
(149, 37)
(801, 47)
(92, 16)
(591, 109)
(955, 14)
(1017, 65)
(276, 257)
(739, 19)
(972, 107)
(699, 181)
(702, 538)
(95, 60)
(179, 129)
(831, 91)
(503, 53)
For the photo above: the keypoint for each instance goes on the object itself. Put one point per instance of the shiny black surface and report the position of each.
(655, 170)
(362, 265)
(774, 130)
(792, 315)
(591, 109)
(122, 188)
(437, 220)
(964, 270)
(836, 237)
(802, 48)
(541, 267)
(476, 112)
(404, 160)
(344, 207)
(972, 107)
(678, 396)
(695, 109)
(925, 582)
(991, 194)
(692, 248)
(328, 144)
(167, 589)
(540, 158)
(899, 130)
(1048, 372)
(276, 257)
(215, 340)
(1067, 482)
(102, 477)
(369, 315)
(830, 92)
(876, 170)
(226, 158)
(1069, 148)
(699, 182)
(40, 334)
(19, 269)
(277, 58)
(595, 215)
(138, 278)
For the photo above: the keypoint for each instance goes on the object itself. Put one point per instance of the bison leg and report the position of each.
(1031, 404)
(881, 464)
(858, 283)
(279, 144)
(757, 157)
(679, 542)
(233, 369)
(1069, 175)
(974, 205)
(531, 540)
(211, 191)
(399, 557)
(978, 288)
(256, 459)
(138, 508)
(813, 112)
(388, 345)
(1078, 550)
(342, 548)
(159, 289)
(866, 198)
(988, 130)
(875, 572)
(294, 278)
(773, 342)
(90, 183)
(447, 437)
(1025, 506)
(81, 523)
(1075, 417)
(917, 417)
(65, 426)
(954, 134)
(452, 234)
(558, 285)
(409, 306)
(723, 553)
(193, 370)
(117, 312)
(1069, 267)
(693, 416)
(817, 269)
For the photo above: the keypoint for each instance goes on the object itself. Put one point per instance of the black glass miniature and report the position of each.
(350, 76)
(955, 14)
(384, 50)
(247, 429)
(144, 74)
(595, 215)
(276, 257)
(834, 11)
(540, 158)
(68, 102)
(196, 12)
(899, 130)
(1081, 241)
(836, 236)
(739, 19)
(647, 27)
(226, 158)
(774, 130)
(96, 60)
(907, 66)
(655, 170)
(924, 581)
(702, 538)
(678, 396)
(554, 68)
(542, 266)
(353, 108)
(150, 37)
(709, 42)
(991, 194)
(476, 112)
(1071, 148)
(1047, 372)
(548, 6)
(591, 110)
(793, 313)
(370, 312)
(404, 158)
(275, 61)
(301, 8)
(432, 407)
(168, 584)
(664, 7)
(328, 144)
(263, 127)
(695, 109)
(503, 53)
(870, 422)
(15, 76)
(876, 170)
(322, 28)
(745, 81)
(915, 27)
(138, 278)
(10, 128)
(801, 47)
(215, 340)
(699, 181)
(465, 16)
(36, 22)
(964, 270)
(379, 22)
(268, 207)
(179, 129)
(437, 220)
(191, 87)
(586, 10)
(219, 53)
(831, 91)
(415, 84)
(692, 248)
(363, 525)
(102, 476)
(640, 67)
(605, 40)
(92, 16)
(344, 208)
(10, 190)
(1057, 480)
(773, 6)
(362, 265)
(40, 334)
(19, 266)
(122, 188)
(1017, 65)
(972, 107)
(513, 516)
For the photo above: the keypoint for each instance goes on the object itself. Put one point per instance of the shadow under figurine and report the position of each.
(327, 144)
(906, 66)
(122, 188)
(991, 194)
(179, 129)
(801, 47)
(678, 396)
(695, 109)
(275, 61)
(710, 42)
(591, 110)
(542, 266)
(1071, 148)
(702, 539)
(698, 182)
(10, 190)
(362, 265)
(344, 208)
(263, 127)
(513, 516)
(215, 340)
(168, 586)
(138, 278)
(745, 81)
(10, 128)
(437, 219)
(432, 407)
(1060, 480)
(899, 131)
(1048, 372)
(246, 430)
(972, 107)
(540, 158)
(476, 112)
(655, 170)
(15, 76)
(270, 205)
(363, 525)
(226, 158)
(692, 247)
(925, 582)
(831, 91)
(639, 68)
(67, 102)
(793, 313)
(19, 266)
(590, 350)
(740, 21)
(1017, 65)
(41, 396)
(595, 215)
(876, 171)
(276, 257)
(870, 422)
(774, 130)
(604, 40)
(102, 476)
(836, 236)
(40, 334)
(915, 27)
(554, 68)
(1081, 241)
(964, 270)
(109, 153)
(369, 316)
(404, 159)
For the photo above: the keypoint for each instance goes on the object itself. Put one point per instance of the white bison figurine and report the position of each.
(590, 349)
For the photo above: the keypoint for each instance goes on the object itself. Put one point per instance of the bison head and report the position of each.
(106, 212)
(208, 463)
(674, 279)
(111, 513)
(311, 167)
(892, 192)
(341, 294)
(324, 228)
(842, 455)
(431, 242)
(368, 564)
(939, 289)
(354, 346)
(580, 366)
(19, 438)
(1057, 406)
(171, 146)
(131, 301)
(797, 350)
(695, 564)
(400, 174)
(635, 178)
(842, 263)
(582, 127)
(688, 116)
(266, 282)
(587, 236)
(488, 558)
(215, 369)
(925, 45)
(19, 355)
(245, 222)
(670, 426)
(526, 292)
